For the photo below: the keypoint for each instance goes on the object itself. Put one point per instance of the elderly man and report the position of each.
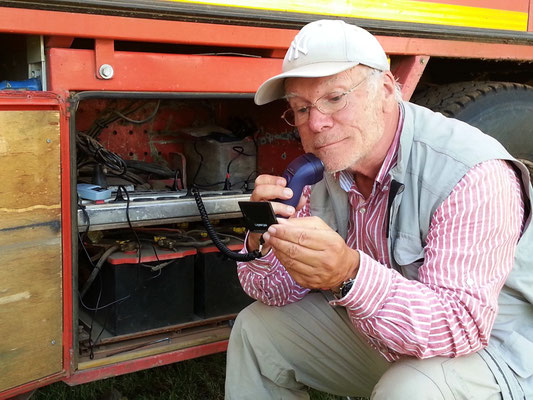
(407, 272)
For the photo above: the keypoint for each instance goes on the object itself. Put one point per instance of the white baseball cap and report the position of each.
(324, 48)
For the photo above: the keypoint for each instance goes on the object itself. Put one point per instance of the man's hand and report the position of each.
(267, 188)
(312, 253)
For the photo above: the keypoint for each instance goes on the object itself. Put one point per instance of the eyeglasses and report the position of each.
(328, 104)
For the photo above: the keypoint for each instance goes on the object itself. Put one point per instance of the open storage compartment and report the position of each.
(137, 157)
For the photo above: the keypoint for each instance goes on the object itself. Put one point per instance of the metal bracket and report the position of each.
(408, 70)
(63, 42)
(104, 50)
(36, 59)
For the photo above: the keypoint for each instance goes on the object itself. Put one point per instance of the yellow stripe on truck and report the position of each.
(391, 10)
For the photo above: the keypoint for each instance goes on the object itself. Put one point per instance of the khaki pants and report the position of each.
(275, 352)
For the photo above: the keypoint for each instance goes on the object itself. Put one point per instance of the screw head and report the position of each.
(106, 71)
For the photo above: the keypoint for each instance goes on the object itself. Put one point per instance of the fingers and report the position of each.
(252, 243)
(270, 192)
(313, 253)
(304, 223)
(282, 210)
(305, 275)
(283, 236)
(314, 269)
(307, 252)
(265, 179)
(268, 188)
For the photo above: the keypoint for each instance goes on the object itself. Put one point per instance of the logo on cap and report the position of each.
(298, 45)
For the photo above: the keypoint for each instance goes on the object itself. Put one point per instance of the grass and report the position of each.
(197, 379)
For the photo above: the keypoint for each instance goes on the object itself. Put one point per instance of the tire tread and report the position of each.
(452, 98)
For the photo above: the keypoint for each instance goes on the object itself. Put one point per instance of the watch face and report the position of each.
(346, 288)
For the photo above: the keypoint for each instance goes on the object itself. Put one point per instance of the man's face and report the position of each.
(347, 138)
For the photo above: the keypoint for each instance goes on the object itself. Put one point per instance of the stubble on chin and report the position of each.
(336, 163)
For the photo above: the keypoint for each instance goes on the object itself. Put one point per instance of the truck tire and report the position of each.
(500, 109)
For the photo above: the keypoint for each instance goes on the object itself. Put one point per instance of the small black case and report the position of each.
(258, 215)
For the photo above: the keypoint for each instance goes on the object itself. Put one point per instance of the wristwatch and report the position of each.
(345, 287)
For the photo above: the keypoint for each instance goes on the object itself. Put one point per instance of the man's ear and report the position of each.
(389, 92)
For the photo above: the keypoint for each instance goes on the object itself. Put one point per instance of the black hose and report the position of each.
(96, 269)
(214, 237)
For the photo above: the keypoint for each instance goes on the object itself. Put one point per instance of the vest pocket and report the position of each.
(408, 254)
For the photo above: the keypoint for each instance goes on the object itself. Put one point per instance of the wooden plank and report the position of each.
(30, 247)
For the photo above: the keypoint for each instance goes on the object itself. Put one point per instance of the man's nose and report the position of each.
(318, 120)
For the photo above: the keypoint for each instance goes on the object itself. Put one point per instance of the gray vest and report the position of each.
(434, 154)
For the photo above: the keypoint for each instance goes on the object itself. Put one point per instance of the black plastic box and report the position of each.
(151, 298)
(217, 291)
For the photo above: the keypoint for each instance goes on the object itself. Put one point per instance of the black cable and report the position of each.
(177, 175)
(149, 168)
(97, 268)
(240, 152)
(91, 356)
(121, 189)
(91, 353)
(86, 216)
(98, 307)
(199, 163)
(101, 123)
(246, 185)
(91, 148)
(91, 343)
(100, 154)
(214, 237)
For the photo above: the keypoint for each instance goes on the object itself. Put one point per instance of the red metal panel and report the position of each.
(71, 69)
(146, 362)
(52, 23)
(58, 41)
(19, 100)
(66, 227)
(455, 48)
(104, 55)
(408, 70)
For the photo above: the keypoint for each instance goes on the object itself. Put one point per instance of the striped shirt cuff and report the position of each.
(371, 288)
(261, 266)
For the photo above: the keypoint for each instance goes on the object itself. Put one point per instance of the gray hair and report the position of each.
(374, 79)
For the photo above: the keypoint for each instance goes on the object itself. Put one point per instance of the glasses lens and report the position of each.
(332, 102)
(288, 116)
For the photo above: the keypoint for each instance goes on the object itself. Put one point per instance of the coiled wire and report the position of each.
(214, 237)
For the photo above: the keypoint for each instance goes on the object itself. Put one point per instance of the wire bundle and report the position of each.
(92, 148)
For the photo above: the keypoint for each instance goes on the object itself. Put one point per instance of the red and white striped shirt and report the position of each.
(450, 308)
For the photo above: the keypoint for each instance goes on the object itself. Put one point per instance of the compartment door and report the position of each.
(31, 280)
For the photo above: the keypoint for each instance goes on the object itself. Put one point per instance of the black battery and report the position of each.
(137, 294)
(217, 290)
